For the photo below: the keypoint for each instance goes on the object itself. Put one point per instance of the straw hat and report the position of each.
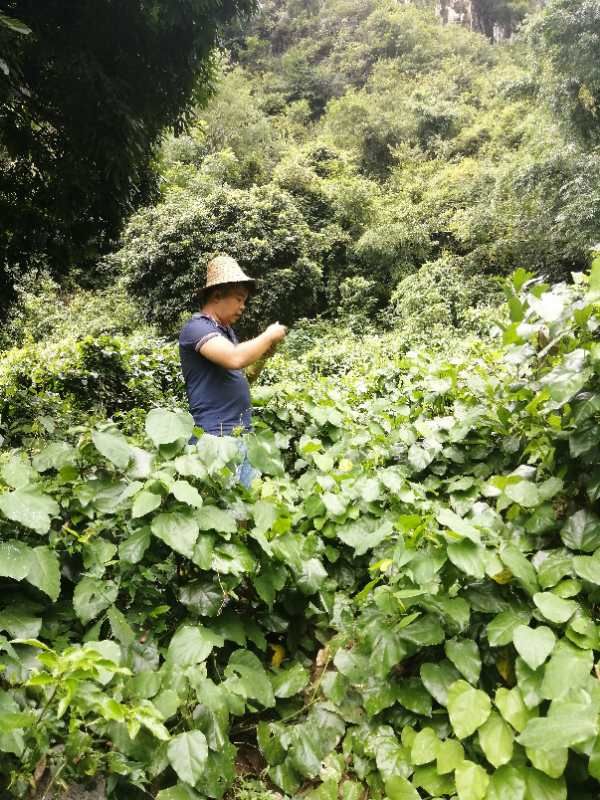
(224, 269)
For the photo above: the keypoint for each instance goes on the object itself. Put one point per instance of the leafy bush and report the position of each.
(84, 101)
(566, 36)
(50, 386)
(441, 296)
(233, 124)
(391, 609)
(166, 250)
(44, 312)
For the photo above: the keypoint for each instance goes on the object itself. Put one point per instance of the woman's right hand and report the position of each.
(276, 332)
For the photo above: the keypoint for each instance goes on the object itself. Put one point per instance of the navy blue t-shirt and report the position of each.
(219, 398)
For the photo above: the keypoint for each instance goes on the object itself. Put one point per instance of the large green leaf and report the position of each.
(15, 720)
(10, 741)
(458, 525)
(567, 725)
(427, 778)
(529, 682)
(523, 492)
(144, 503)
(450, 753)
(231, 558)
(420, 457)
(192, 644)
(568, 377)
(314, 739)
(534, 645)
(541, 787)
(364, 534)
(336, 504)
(54, 456)
(550, 762)
(471, 781)
(508, 783)
(496, 740)
(15, 559)
(177, 529)
(18, 472)
(219, 772)
(114, 447)
(468, 557)
(165, 427)
(312, 577)
(468, 708)
(202, 597)
(423, 631)
(554, 608)
(247, 677)
(582, 531)
(179, 792)
(588, 567)
(501, 629)
(264, 454)
(556, 564)
(186, 493)
(512, 707)
(398, 788)
(464, 654)
(437, 679)
(44, 571)
(188, 753)
(134, 547)
(21, 620)
(288, 682)
(521, 568)
(92, 596)
(411, 694)
(211, 518)
(29, 506)
(570, 661)
(424, 747)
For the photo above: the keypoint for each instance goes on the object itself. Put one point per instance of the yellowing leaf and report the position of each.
(278, 655)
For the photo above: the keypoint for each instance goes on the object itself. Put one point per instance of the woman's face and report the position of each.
(231, 306)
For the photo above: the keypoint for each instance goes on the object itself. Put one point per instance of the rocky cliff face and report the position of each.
(496, 19)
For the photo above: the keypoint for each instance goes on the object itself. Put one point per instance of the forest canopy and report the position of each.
(393, 143)
(86, 91)
(400, 599)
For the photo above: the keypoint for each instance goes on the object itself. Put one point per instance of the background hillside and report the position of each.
(360, 156)
(355, 152)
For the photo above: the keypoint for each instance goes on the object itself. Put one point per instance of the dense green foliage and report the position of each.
(576, 71)
(84, 99)
(392, 608)
(404, 604)
(351, 145)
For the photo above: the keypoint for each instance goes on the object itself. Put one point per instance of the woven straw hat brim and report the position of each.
(223, 270)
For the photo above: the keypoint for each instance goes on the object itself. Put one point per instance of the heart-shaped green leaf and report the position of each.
(534, 645)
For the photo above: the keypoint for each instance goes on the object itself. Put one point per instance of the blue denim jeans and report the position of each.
(245, 472)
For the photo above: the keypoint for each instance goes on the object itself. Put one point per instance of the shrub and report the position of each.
(166, 250)
(46, 312)
(49, 387)
(441, 296)
(392, 606)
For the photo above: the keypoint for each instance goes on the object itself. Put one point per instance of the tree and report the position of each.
(84, 100)
(567, 36)
(167, 247)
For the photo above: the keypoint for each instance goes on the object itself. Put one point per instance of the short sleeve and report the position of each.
(198, 331)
